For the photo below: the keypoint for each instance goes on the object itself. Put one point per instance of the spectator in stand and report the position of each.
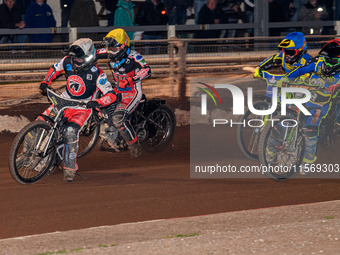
(198, 4)
(111, 6)
(249, 15)
(84, 14)
(124, 15)
(327, 30)
(329, 7)
(286, 5)
(39, 15)
(337, 10)
(66, 6)
(275, 15)
(10, 17)
(297, 5)
(151, 13)
(208, 15)
(22, 4)
(228, 11)
(177, 11)
(313, 11)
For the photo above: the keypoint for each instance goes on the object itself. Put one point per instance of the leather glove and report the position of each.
(43, 88)
(257, 72)
(125, 83)
(92, 104)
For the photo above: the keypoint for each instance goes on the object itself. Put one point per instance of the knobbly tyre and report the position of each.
(248, 137)
(282, 147)
(38, 148)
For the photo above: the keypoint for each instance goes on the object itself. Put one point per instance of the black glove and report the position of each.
(92, 104)
(43, 88)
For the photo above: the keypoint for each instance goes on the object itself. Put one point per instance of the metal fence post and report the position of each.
(172, 64)
(337, 27)
(261, 11)
(172, 52)
(171, 31)
(73, 34)
(182, 78)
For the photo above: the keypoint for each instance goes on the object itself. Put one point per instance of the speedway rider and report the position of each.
(129, 69)
(85, 81)
(293, 54)
(324, 73)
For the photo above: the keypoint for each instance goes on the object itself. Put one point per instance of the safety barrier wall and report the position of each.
(23, 66)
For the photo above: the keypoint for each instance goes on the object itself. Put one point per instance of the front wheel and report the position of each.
(158, 129)
(27, 162)
(281, 148)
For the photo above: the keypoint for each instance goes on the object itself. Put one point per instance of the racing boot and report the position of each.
(309, 157)
(70, 154)
(69, 175)
(135, 150)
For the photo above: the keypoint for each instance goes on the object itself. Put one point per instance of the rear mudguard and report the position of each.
(148, 106)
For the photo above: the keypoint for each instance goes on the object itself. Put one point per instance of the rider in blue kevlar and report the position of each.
(324, 72)
(293, 54)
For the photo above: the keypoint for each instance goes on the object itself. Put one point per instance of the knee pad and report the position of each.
(118, 118)
(311, 131)
(70, 133)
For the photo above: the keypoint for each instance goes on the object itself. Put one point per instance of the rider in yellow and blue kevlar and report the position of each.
(324, 72)
(293, 54)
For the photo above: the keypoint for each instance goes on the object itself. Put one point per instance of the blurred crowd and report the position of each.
(21, 14)
(26, 14)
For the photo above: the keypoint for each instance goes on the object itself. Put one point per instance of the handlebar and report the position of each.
(62, 102)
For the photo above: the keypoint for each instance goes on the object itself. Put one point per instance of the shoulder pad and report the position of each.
(133, 54)
(60, 64)
(137, 57)
(102, 79)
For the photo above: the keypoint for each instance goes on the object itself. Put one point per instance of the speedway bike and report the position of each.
(282, 146)
(38, 148)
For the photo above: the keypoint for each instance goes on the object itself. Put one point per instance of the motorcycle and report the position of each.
(38, 148)
(281, 147)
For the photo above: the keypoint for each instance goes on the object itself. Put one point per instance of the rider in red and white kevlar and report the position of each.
(128, 68)
(85, 82)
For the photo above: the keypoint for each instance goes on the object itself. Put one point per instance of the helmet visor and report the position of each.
(76, 51)
(78, 61)
(331, 61)
(291, 52)
(112, 46)
(115, 50)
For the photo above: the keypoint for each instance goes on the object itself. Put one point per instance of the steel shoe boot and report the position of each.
(135, 150)
(69, 175)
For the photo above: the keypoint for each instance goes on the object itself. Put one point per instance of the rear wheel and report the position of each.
(248, 137)
(27, 163)
(158, 130)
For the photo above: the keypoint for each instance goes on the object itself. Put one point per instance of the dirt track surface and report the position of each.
(300, 229)
(119, 190)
